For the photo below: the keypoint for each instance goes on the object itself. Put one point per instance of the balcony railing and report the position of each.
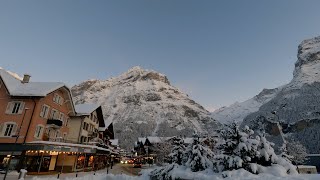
(55, 122)
(92, 134)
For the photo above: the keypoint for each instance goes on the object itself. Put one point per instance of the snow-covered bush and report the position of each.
(240, 149)
(163, 173)
(297, 151)
(197, 157)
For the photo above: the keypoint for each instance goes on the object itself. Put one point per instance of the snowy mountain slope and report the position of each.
(297, 103)
(143, 103)
(238, 111)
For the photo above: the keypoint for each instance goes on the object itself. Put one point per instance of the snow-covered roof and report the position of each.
(114, 142)
(17, 88)
(143, 140)
(86, 109)
(107, 122)
(306, 166)
(153, 139)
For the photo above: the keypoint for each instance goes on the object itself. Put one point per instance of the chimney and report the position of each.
(26, 78)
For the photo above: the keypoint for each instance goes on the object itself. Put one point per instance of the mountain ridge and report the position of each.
(142, 103)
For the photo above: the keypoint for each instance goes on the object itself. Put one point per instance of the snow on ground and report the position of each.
(183, 173)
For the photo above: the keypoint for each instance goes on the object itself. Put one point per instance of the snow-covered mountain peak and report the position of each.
(307, 66)
(239, 110)
(306, 72)
(308, 51)
(143, 103)
(139, 74)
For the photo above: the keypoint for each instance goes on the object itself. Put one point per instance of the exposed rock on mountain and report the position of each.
(143, 103)
(296, 105)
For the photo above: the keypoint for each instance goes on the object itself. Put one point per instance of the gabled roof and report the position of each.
(114, 142)
(153, 139)
(16, 88)
(107, 123)
(86, 109)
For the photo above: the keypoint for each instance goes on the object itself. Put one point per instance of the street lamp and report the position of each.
(15, 142)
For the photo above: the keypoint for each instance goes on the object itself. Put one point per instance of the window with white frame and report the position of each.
(62, 117)
(64, 136)
(54, 114)
(8, 129)
(61, 100)
(15, 107)
(44, 111)
(57, 99)
(58, 134)
(39, 131)
(67, 122)
(95, 119)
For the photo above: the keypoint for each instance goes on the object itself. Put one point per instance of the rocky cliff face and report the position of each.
(143, 103)
(296, 105)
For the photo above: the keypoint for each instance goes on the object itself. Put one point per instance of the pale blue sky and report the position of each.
(218, 52)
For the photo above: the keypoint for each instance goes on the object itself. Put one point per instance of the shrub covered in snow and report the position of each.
(297, 151)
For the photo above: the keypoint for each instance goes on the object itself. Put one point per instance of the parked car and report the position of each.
(137, 164)
(124, 160)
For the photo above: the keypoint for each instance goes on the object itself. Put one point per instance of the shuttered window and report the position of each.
(54, 114)
(39, 131)
(8, 129)
(58, 99)
(44, 111)
(15, 107)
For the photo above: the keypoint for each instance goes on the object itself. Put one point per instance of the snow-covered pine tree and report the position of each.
(241, 150)
(197, 157)
(174, 158)
(177, 151)
(237, 149)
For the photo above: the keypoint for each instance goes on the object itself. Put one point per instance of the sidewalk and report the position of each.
(117, 169)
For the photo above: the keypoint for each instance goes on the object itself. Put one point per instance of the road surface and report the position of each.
(117, 169)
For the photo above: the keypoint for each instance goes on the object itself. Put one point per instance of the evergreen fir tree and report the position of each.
(241, 150)
(197, 157)
(177, 151)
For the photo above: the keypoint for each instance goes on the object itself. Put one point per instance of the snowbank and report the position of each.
(273, 173)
